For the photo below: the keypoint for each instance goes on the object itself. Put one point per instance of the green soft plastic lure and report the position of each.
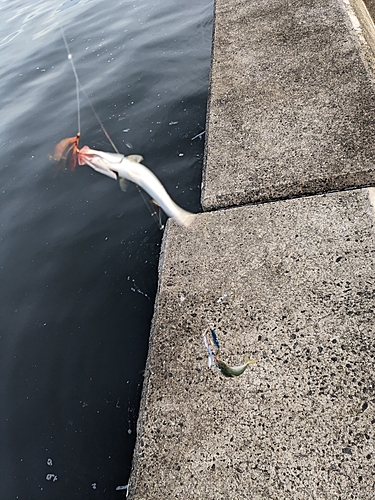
(233, 371)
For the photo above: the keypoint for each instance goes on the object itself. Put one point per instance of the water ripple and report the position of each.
(10, 37)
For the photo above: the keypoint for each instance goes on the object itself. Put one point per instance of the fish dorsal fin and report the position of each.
(136, 158)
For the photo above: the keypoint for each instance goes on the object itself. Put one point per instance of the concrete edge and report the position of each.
(287, 192)
(364, 26)
(147, 371)
(209, 95)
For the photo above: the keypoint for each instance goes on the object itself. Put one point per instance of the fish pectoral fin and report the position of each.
(135, 158)
(123, 183)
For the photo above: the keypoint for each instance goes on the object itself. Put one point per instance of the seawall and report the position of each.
(282, 263)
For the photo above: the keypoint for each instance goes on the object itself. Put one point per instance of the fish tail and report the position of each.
(185, 218)
(250, 361)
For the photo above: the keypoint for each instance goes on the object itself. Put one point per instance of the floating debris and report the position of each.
(124, 488)
(135, 288)
(200, 135)
(51, 477)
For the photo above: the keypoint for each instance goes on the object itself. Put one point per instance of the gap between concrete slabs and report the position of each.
(292, 285)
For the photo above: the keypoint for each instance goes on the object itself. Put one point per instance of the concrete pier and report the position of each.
(289, 282)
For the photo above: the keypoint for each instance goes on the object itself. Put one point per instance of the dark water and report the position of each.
(78, 257)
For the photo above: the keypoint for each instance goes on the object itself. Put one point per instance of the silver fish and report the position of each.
(118, 166)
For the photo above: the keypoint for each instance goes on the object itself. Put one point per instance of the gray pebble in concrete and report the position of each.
(292, 106)
(290, 284)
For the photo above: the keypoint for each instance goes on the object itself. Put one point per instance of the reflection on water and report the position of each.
(78, 257)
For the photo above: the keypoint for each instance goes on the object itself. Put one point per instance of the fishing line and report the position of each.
(78, 87)
(99, 120)
(70, 57)
(156, 213)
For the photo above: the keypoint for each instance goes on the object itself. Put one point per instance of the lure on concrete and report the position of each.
(215, 362)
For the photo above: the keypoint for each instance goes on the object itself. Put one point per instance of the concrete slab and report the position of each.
(290, 284)
(292, 106)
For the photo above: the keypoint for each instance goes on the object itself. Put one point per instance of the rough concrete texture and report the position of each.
(290, 284)
(291, 107)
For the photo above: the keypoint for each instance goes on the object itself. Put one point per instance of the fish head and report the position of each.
(100, 161)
